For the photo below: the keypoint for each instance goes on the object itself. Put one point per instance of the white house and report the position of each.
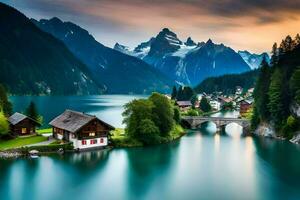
(83, 130)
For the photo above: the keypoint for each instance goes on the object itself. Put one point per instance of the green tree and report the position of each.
(204, 105)
(32, 112)
(255, 119)
(260, 91)
(275, 98)
(295, 85)
(177, 116)
(148, 132)
(5, 104)
(162, 113)
(4, 126)
(194, 99)
(135, 112)
(185, 93)
(274, 58)
(174, 93)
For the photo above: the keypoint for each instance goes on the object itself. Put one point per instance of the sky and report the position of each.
(252, 25)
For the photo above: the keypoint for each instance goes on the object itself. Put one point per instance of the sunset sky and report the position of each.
(242, 24)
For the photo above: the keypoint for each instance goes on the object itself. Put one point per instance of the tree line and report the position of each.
(278, 88)
(227, 83)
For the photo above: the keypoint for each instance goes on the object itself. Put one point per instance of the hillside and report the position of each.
(34, 62)
(227, 83)
(120, 73)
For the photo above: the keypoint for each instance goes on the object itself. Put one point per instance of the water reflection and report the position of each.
(155, 160)
(202, 165)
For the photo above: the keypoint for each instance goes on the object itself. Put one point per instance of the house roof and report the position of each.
(184, 103)
(18, 117)
(247, 101)
(227, 100)
(72, 121)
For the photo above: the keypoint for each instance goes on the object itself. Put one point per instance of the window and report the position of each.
(93, 141)
(101, 140)
(83, 142)
(24, 130)
(92, 134)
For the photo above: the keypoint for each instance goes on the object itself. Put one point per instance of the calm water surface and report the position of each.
(201, 165)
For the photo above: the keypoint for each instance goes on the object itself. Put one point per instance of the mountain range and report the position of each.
(191, 62)
(34, 62)
(120, 73)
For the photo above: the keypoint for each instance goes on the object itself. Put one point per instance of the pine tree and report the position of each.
(295, 85)
(32, 112)
(275, 98)
(174, 93)
(204, 105)
(297, 40)
(5, 104)
(261, 89)
(274, 59)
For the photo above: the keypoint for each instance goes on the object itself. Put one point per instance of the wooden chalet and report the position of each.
(22, 125)
(245, 105)
(85, 131)
(184, 105)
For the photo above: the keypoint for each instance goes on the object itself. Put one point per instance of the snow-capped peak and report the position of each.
(252, 59)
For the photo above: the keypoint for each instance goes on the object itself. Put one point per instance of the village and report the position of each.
(241, 101)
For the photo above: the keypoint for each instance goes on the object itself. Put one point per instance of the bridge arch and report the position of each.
(221, 122)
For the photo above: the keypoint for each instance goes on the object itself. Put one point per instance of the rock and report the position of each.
(32, 152)
(295, 109)
(296, 138)
(10, 154)
(265, 130)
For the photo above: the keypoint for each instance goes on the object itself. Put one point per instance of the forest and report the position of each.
(277, 89)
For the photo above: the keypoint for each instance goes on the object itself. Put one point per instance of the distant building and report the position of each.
(245, 105)
(215, 105)
(22, 125)
(184, 105)
(238, 90)
(83, 130)
(223, 100)
(251, 90)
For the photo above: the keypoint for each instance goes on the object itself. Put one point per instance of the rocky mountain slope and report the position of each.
(187, 62)
(120, 73)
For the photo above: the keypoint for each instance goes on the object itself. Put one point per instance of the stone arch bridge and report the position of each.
(221, 122)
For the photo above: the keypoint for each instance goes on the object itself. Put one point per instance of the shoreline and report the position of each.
(24, 151)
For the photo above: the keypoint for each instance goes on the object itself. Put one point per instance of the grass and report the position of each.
(177, 132)
(20, 142)
(119, 139)
(43, 131)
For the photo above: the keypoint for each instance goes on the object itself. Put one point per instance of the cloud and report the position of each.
(244, 24)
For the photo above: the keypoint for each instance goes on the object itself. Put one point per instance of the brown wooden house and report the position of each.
(245, 106)
(85, 131)
(22, 125)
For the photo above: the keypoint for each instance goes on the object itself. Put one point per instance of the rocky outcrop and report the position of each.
(296, 138)
(265, 130)
(295, 109)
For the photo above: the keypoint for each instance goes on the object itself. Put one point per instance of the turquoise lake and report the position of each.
(201, 165)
